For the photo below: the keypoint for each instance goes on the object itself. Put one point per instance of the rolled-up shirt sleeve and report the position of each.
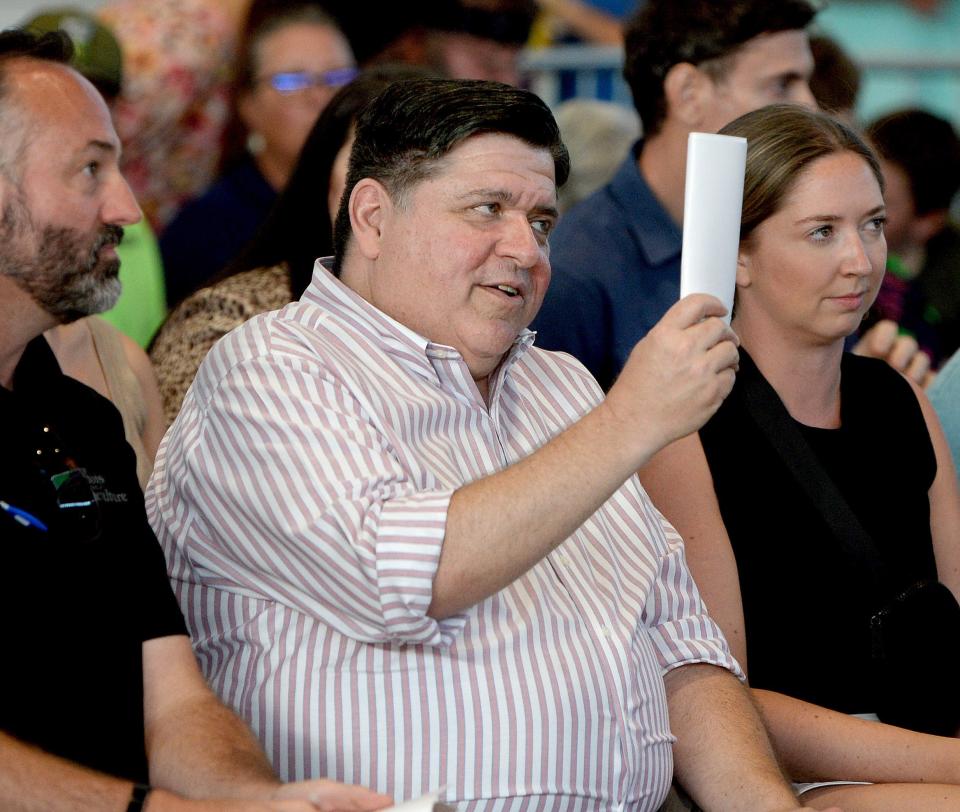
(680, 627)
(286, 489)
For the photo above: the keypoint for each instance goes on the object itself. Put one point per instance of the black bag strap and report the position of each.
(768, 412)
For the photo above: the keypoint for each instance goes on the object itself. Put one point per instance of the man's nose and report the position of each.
(518, 241)
(120, 207)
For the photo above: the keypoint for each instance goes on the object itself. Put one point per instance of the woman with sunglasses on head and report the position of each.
(276, 266)
(291, 60)
(822, 493)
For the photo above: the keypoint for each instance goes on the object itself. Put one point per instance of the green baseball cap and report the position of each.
(96, 55)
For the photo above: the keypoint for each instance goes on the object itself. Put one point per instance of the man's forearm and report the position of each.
(722, 755)
(32, 780)
(500, 526)
(196, 746)
(206, 751)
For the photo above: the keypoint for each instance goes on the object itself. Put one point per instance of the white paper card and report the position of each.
(713, 199)
(425, 803)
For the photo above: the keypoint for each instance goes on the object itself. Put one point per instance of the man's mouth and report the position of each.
(509, 290)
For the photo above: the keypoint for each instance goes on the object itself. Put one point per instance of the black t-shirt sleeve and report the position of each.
(160, 614)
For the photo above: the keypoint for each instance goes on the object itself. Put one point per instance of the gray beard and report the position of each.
(65, 275)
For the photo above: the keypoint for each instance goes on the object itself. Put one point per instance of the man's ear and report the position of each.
(369, 205)
(684, 89)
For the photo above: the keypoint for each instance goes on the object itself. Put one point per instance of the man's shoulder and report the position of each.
(298, 336)
(274, 335)
(602, 209)
(621, 224)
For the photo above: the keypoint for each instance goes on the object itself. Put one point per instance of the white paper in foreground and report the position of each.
(713, 199)
(425, 803)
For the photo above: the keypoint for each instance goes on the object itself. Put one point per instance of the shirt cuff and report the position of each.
(409, 542)
(689, 640)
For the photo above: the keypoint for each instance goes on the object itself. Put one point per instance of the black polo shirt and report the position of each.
(84, 579)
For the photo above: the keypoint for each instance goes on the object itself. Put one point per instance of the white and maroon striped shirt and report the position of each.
(301, 498)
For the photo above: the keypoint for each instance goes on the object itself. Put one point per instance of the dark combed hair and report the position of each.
(404, 133)
(298, 229)
(54, 46)
(783, 140)
(664, 33)
(926, 147)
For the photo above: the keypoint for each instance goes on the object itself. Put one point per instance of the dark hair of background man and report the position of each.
(664, 33)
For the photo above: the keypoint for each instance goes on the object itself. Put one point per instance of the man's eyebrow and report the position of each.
(790, 76)
(101, 146)
(503, 196)
(549, 211)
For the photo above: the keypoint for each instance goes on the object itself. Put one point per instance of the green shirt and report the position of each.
(142, 306)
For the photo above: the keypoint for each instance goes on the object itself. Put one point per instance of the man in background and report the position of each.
(692, 65)
(920, 157)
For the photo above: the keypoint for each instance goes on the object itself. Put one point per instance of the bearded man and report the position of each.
(102, 706)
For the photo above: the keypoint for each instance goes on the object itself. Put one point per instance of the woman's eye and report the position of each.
(822, 233)
(877, 224)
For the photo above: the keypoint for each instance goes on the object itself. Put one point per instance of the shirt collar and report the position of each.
(328, 292)
(36, 369)
(652, 227)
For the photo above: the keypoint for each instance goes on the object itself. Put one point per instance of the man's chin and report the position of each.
(95, 298)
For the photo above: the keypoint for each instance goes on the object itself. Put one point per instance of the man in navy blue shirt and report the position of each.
(692, 65)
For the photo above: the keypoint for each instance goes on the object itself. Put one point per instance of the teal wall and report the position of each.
(891, 27)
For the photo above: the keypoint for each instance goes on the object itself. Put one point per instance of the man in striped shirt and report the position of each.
(410, 546)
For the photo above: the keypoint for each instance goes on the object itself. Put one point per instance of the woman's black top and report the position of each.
(806, 606)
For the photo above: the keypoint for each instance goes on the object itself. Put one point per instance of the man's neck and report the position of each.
(11, 351)
(663, 164)
(21, 321)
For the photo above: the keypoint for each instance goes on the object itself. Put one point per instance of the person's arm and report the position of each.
(32, 780)
(155, 424)
(814, 744)
(722, 756)
(944, 394)
(693, 511)
(944, 501)
(198, 748)
(674, 380)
